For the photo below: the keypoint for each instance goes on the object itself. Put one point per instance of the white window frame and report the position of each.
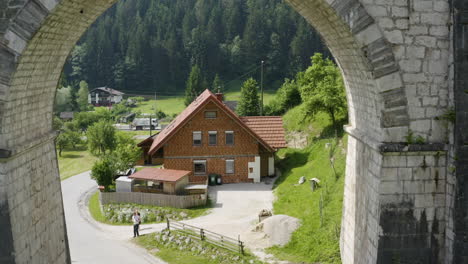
(233, 166)
(209, 136)
(193, 138)
(199, 162)
(225, 137)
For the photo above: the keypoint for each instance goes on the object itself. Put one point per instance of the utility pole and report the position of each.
(154, 110)
(261, 89)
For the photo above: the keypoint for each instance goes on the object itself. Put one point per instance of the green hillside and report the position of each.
(317, 240)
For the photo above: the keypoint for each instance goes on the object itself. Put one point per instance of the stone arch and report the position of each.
(36, 36)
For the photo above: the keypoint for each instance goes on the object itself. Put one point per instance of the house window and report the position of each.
(210, 114)
(199, 167)
(229, 166)
(212, 138)
(197, 138)
(229, 137)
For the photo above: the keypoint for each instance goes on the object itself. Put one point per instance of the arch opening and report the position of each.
(35, 40)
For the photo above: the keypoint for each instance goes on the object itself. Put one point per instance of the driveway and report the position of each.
(90, 244)
(235, 212)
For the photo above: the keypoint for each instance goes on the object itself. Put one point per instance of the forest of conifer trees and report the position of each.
(142, 46)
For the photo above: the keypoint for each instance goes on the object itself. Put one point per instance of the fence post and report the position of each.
(202, 234)
(168, 225)
(241, 245)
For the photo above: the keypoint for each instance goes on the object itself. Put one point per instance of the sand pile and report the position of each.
(275, 230)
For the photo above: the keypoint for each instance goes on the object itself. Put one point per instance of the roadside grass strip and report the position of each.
(176, 247)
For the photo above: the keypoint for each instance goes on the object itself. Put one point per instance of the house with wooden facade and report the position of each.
(208, 137)
(104, 96)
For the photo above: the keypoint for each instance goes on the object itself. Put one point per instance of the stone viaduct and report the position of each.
(405, 66)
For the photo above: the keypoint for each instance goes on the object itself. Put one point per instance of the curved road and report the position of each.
(89, 243)
(235, 211)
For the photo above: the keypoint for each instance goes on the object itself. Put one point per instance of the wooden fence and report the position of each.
(177, 201)
(219, 240)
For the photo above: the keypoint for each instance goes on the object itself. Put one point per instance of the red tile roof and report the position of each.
(190, 111)
(270, 128)
(157, 174)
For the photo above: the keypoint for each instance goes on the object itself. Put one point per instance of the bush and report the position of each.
(103, 172)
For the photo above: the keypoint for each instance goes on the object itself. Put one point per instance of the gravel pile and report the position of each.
(273, 231)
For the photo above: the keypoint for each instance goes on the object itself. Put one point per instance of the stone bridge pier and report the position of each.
(405, 67)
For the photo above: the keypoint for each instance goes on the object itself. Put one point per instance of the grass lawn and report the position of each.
(98, 215)
(174, 105)
(313, 241)
(75, 161)
(235, 96)
(168, 104)
(95, 209)
(138, 132)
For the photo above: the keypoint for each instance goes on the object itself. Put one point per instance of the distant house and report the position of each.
(144, 123)
(66, 116)
(209, 138)
(104, 96)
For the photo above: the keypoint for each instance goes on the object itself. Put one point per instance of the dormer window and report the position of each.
(210, 114)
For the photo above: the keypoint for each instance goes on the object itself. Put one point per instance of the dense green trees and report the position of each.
(319, 88)
(148, 45)
(249, 103)
(101, 138)
(322, 89)
(286, 97)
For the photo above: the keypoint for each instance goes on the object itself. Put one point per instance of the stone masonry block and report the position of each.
(389, 82)
(394, 161)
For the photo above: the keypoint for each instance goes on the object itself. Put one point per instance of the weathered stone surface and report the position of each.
(396, 59)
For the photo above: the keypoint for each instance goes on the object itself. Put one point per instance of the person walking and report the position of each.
(136, 223)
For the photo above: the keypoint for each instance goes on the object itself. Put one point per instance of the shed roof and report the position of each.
(157, 174)
(269, 128)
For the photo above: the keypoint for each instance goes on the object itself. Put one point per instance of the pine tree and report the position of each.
(249, 104)
(195, 85)
(140, 45)
(217, 85)
(83, 96)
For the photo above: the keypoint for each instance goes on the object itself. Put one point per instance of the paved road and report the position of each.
(235, 211)
(89, 243)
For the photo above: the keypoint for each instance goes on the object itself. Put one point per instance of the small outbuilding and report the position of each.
(156, 180)
(123, 184)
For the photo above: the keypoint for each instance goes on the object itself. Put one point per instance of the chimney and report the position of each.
(219, 96)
